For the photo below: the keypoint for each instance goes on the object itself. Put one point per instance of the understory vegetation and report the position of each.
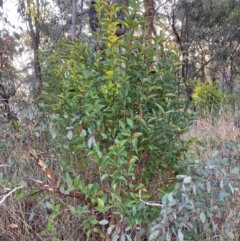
(114, 143)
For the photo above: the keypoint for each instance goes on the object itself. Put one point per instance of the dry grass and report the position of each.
(15, 221)
(26, 219)
(212, 133)
(16, 225)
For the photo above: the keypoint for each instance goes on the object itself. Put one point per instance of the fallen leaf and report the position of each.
(100, 193)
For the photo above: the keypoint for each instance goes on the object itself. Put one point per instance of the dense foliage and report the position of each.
(207, 96)
(121, 114)
(203, 203)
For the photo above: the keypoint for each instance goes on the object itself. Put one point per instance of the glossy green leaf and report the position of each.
(116, 196)
(129, 122)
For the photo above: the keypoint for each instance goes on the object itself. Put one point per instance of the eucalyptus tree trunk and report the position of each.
(149, 15)
(81, 19)
(30, 10)
(182, 39)
(74, 13)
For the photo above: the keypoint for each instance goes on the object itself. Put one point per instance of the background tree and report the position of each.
(201, 30)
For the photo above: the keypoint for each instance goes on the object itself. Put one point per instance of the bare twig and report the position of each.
(7, 195)
(56, 181)
(148, 203)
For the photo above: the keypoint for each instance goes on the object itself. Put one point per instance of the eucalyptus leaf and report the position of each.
(70, 135)
(153, 236)
(83, 133)
(110, 229)
(187, 179)
(235, 170)
(180, 235)
(123, 237)
(115, 237)
(230, 235)
(91, 142)
(231, 187)
(203, 217)
(181, 176)
(209, 188)
(103, 222)
(221, 184)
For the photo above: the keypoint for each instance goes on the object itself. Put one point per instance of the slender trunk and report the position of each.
(185, 44)
(149, 15)
(38, 72)
(81, 20)
(203, 68)
(230, 77)
(35, 37)
(74, 11)
(230, 80)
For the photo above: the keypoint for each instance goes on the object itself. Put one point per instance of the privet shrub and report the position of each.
(205, 203)
(119, 118)
(207, 96)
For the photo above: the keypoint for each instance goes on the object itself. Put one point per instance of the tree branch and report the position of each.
(147, 202)
(68, 22)
(56, 181)
(201, 68)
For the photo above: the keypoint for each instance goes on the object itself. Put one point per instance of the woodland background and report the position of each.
(119, 120)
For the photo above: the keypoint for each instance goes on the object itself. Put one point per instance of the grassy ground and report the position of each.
(212, 133)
